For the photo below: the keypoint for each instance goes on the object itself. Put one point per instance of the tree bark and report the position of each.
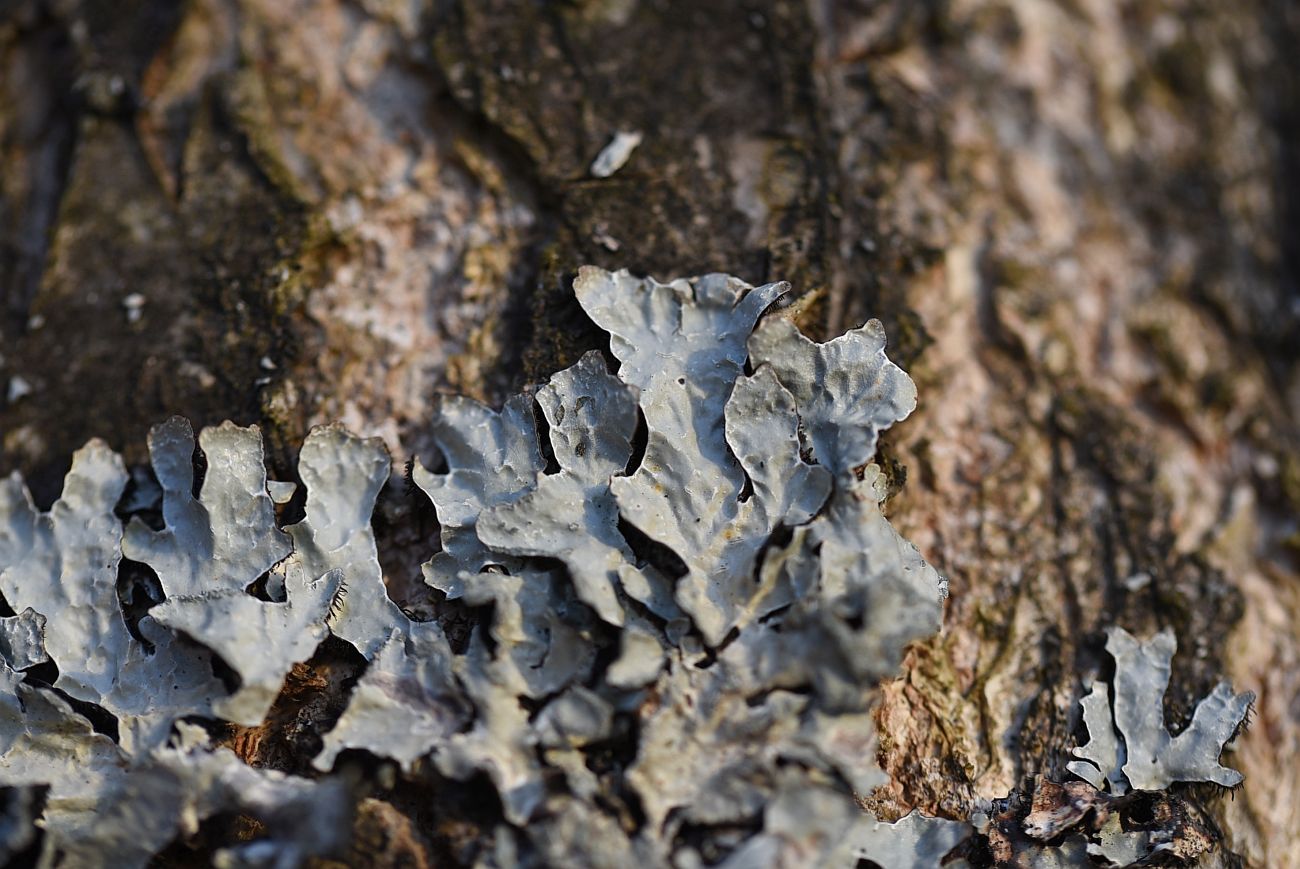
(1078, 221)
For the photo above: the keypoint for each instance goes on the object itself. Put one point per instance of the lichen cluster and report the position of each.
(685, 557)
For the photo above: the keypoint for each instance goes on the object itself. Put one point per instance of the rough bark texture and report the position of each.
(1080, 223)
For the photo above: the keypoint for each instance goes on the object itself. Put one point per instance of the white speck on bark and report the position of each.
(616, 154)
(18, 387)
(134, 305)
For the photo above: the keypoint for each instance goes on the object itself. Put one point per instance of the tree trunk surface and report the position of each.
(1079, 223)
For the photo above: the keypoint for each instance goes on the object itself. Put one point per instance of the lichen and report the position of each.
(714, 604)
(1149, 758)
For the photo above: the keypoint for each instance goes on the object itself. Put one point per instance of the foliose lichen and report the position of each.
(1149, 758)
(681, 560)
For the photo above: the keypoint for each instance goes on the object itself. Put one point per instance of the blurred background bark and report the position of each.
(1079, 222)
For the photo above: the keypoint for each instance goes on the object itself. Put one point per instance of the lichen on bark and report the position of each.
(1074, 223)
